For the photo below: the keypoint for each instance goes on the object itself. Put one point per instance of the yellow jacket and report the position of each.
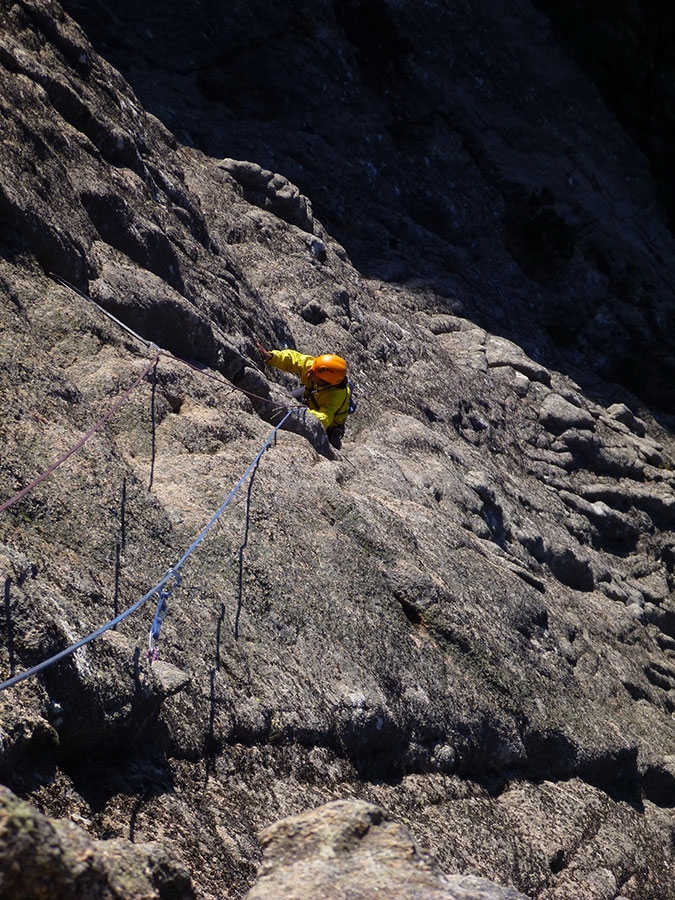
(329, 404)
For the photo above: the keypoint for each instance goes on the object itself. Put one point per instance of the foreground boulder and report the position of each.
(351, 850)
(44, 858)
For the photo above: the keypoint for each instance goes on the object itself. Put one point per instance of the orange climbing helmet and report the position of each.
(330, 368)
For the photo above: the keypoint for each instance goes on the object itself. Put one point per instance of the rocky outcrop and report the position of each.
(58, 859)
(465, 617)
(455, 146)
(351, 849)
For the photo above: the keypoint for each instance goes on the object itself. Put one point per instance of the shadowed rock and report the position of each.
(466, 615)
(57, 859)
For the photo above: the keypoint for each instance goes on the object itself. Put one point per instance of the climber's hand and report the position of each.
(266, 355)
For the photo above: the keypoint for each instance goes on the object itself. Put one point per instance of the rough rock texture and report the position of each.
(351, 849)
(457, 145)
(57, 859)
(630, 58)
(466, 616)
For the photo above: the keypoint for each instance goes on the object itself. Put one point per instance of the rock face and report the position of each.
(628, 57)
(351, 849)
(56, 859)
(482, 161)
(465, 618)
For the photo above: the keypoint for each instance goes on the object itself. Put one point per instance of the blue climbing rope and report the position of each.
(172, 573)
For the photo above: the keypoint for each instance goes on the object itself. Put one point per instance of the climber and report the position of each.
(325, 392)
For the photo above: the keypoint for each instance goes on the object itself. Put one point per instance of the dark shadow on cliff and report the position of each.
(111, 738)
(239, 105)
(119, 547)
(212, 741)
(242, 547)
(142, 770)
(9, 627)
(628, 54)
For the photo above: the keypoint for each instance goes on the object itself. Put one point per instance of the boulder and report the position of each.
(351, 849)
(58, 859)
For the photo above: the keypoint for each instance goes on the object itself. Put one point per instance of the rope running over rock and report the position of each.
(157, 589)
(160, 589)
(101, 422)
(160, 352)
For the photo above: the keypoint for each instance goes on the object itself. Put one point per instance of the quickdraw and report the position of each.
(160, 614)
